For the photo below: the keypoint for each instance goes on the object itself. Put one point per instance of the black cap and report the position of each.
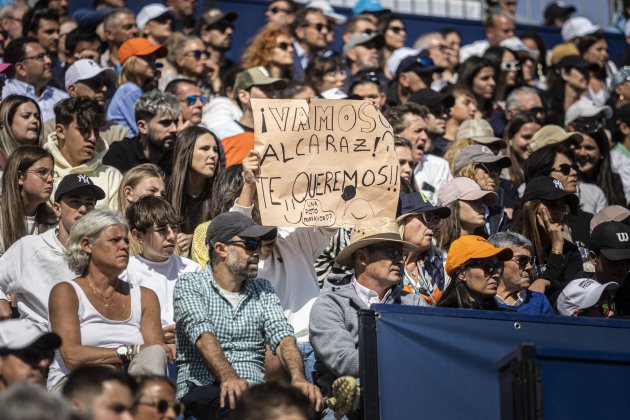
(230, 224)
(548, 188)
(558, 10)
(623, 114)
(73, 182)
(417, 202)
(612, 239)
(420, 63)
(431, 98)
(575, 62)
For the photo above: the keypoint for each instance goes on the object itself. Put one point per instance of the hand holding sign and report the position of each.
(324, 163)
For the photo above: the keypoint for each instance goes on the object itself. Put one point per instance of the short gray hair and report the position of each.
(110, 22)
(510, 240)
(90, 226)
(511, 102)
(425, 41)
(154, 103)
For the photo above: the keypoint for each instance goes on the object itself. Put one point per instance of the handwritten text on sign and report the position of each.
(324, 163)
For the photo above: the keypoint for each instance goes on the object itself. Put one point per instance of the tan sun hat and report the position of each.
(551, 134)
(479, 131)
(370, 232)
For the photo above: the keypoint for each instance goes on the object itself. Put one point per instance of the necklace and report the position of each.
(105, 299)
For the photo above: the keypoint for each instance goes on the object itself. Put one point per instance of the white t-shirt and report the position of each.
(159, 277)
(430, 173)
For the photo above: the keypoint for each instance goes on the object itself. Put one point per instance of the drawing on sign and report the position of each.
(324, 163)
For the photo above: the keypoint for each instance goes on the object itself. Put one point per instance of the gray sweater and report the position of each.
(334, 328)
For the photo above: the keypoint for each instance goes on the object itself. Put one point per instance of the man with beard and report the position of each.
(219, 356)
(86, 78)
(157, 116)
(215, 29)
(361, 52)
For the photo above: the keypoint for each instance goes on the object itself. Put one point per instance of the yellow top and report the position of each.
(199, 249)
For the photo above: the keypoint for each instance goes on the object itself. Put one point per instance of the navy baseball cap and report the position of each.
(420, 63)
(73, 182)
(230, 224)
(416, 202)
(548, 188)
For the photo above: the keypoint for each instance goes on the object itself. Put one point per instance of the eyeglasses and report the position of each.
(319, 27)
(514, 65)
(524, 260)
(192, 99)
(397, 29)
(588, 125)
(489, 169)
(430, 219)
(165, 18)
(38, 57)
(248, 244)
(565, 168)
(487, 266)
(221, 26)
(162, 406)
(392, 253)
(30, 356)
(274, 10)
(284, 46)
(198, 54)
(44, 173)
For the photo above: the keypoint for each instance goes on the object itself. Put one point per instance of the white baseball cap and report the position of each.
(85, 69)
(17, 334)
(152, 11)
(582, 294)
(328, 10)
(584, 107)
(577, 27)
(399, 55)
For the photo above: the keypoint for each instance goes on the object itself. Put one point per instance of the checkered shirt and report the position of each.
(242, 332)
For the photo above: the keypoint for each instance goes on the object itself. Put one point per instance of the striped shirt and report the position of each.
(242, 332)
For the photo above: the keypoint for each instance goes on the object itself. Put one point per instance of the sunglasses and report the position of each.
(319, 27)
(430, 219)
(30, 356)
(165, 18)
(95, 83)
(284, 46)
(192, 99)
(487, 266)
(438, 111)
(565, 168)
(539, 114)
(490, 169)
(524, 260)
(162, 406)
(221, 26)
(248, 244)
(396, 29)
(275, 10)
(588, 125)
(392, 253)
(514, 65)
(198, 54)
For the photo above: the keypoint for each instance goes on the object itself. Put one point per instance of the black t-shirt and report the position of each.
(127, 153)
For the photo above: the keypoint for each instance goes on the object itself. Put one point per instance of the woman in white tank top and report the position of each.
(100, 318)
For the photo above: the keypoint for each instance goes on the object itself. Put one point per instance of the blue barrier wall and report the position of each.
(439, 363)
(251, 18)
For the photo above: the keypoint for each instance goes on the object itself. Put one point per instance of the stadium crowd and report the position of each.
(136, 277)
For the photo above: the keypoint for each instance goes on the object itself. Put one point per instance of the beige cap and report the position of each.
(610, 214)
(479, 131)
(563, 50)
(551, 134)
(256, 76)
(462, 188)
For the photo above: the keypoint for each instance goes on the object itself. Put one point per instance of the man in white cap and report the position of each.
(376, 254)
(25, 353)
(86, 78)
(155, 22)
(585, 116)
(577, 27)
(586, 297)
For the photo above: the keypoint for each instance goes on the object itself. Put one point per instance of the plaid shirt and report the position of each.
(242, 332)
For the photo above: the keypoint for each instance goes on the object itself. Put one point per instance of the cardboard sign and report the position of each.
(324, 162)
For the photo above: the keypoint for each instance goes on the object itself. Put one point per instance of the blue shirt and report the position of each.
(46, 101)
(120, 109)
(200, 307)
(531, 303)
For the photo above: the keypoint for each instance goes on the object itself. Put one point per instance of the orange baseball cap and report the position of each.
(472, 247)
(139, 46)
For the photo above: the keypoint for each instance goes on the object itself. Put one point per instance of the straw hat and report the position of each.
(370, 232)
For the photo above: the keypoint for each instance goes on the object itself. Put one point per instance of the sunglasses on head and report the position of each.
(251, 244)
(162, 406)
(487, 266)
(565, 168)
(284, 46)
(524, 260)
(514, 65)
(192, 99)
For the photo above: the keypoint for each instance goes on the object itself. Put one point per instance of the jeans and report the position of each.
(202, 403)
(309, 361)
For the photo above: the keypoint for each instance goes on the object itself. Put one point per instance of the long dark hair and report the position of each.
(456, 295)
(511, 129)
(541, 161)
(495, 56)
(602, 175)
(178, 183)
(468, 70)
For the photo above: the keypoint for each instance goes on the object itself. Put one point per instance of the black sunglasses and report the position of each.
(274, 10)
(30, 356)
(221, 26)
(163, 18)
(95, 83)
(487, 266)
(524, 260)
(392, 253)
(565, 168)
(319, 27)
(397, 29)
(162, 406)
(588, 125)
(283, 45)
(251, 244)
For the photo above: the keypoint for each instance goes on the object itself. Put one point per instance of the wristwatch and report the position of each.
(123, 353)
